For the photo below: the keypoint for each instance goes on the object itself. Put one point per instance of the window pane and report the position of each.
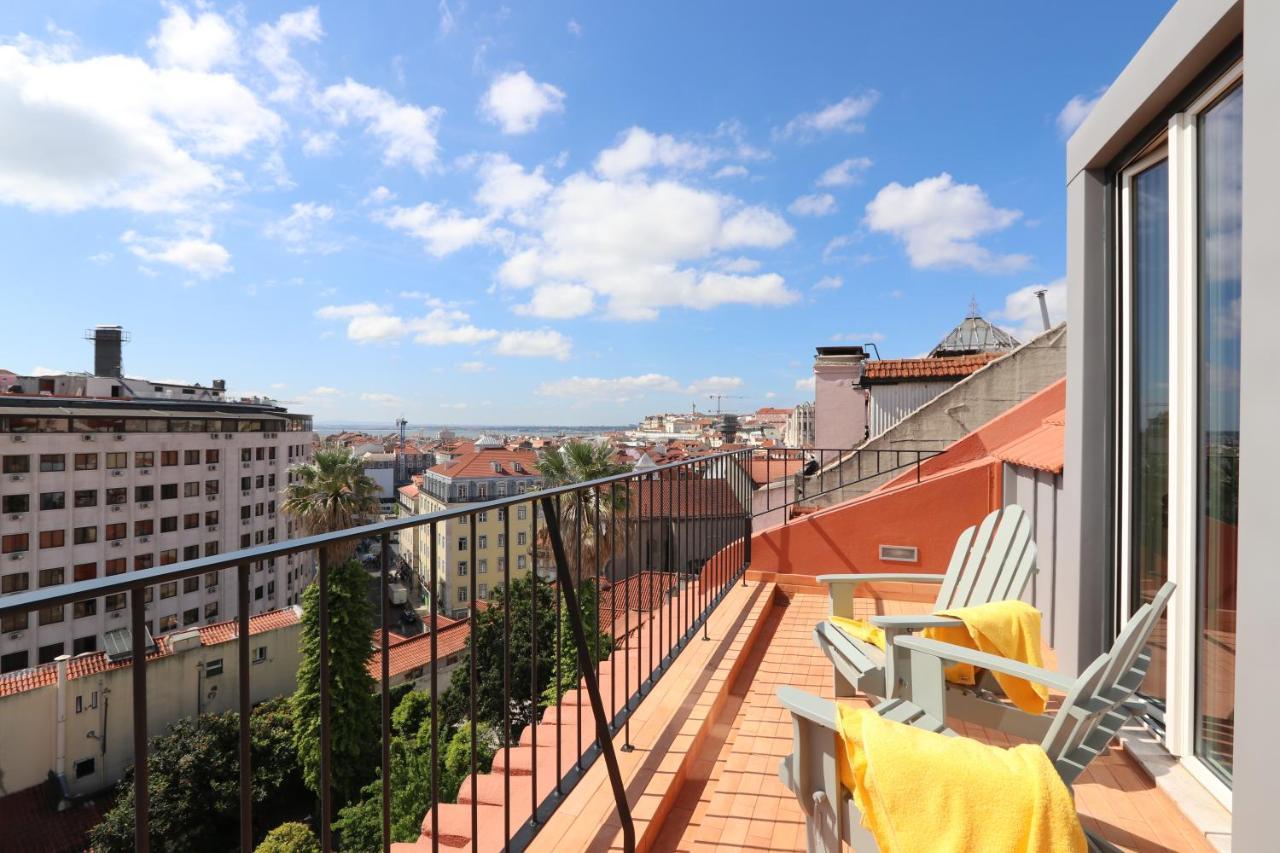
(1149, 265)
(1218, 204)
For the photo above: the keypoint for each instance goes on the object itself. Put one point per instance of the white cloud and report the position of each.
(200, 43)
(445, 326)
(733, 171)
(116, 132)
(623, 388)
(473, 367)
(317, 143)
(836, 244)
(101, 258)
(441, 231)
(364, 328)
(447, 22)
(639, 150)
(939, 223)
(381, 398)
(1021, 312)
(818, 204)
(342, 312)
(640, 246)
(407, 132)
(844, 116)
(195, 254)
(324, 391)
(537, 343)
(829, 282)
(844, 173)
(505, 186)
(575, 29)
(1076, 111)
(273, 50)
(806, 384)
(379, 195)
(516, 102)
(559, 302)
(739, 264)
(859, 337)
(297, 230)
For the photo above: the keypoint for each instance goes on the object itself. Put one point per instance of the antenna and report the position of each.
(973, 306)
(719, 397)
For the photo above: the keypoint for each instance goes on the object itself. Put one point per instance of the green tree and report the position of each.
(292, 837)
(194, 783)
(586, 514)
(599, 645)
(457, 757)
(353, 704)
(330, 493)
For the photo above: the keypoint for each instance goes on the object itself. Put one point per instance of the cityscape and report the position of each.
(420, 430)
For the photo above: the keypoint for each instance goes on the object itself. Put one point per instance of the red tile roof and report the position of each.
(480, 464)
(709, 498)
(924, 369)
(1041, 449)
(409, 491)
(770, 470)
(415, 651)
(93, 663)
(33, 821)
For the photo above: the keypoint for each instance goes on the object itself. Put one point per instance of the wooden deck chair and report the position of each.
(1096, 705)
(992, 561)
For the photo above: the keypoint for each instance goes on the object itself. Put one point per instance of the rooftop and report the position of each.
(925, 369)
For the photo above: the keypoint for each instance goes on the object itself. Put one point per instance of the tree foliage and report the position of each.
(586, 516)
(331, 492)
(354, 725)
(599, 645)
(194, 782)
(292, 837)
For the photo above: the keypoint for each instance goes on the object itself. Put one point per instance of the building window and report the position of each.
(117, 460)
(86, 462)
(87, 607)
(213, 667)
(116, 601)
(191, 490)
(522, 512)
(462, 594)
(169, 524)
(211, 610)
(119, 530)
(14, 543)
(49, 653)
(482, 591)
(17, 464)
(212, 487)
(520, 561)
(144, 459)
(191, 457)
(143, 561)
(85, 498)
(51, 577)
(462, 543)
(482, 565)
(85, 571)
(168, 491)
(144, 494)
(14, 583)
(190, 520)
(144, 527)
(168, 623)
(53, 500)
(168, 589)
(85, 535)
(191, 616)
(259, 654)
(210, 580)
(169, 556)
(257, 593)
(84, 767)
(191, 584)
(14, 622)
(521, 538)
(462, 568)
(211, 517)
(482, 542)
(80, 645)
(53, 462)
(117, 497)
(168, 458)
(12, 504)
(51, 615)
(211, 456)
(117, 566)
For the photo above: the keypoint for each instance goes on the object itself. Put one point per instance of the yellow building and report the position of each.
(464, 547)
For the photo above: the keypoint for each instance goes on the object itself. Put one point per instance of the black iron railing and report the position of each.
(787, 477)
(657, 549)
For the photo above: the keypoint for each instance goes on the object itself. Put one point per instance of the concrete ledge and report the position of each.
(667, 730)
(1199, 806)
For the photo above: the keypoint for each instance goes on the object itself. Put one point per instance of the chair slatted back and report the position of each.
(1092, 711)
(991, 562)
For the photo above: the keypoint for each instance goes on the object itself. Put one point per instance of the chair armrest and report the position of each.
(982, 660)
(910, 622)
(810, 707)
(881, 577)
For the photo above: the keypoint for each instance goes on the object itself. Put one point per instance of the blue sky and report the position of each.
(542, 213)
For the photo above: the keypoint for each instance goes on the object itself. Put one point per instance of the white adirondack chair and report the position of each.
(992, 561)
(1096, 705)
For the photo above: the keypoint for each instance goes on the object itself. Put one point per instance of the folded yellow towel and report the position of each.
(1010, 629)
(860, 630)
(922, 791)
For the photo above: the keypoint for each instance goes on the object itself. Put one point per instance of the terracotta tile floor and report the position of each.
(734, 800)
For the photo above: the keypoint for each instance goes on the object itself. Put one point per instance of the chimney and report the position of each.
(1044, 307)
(107, 342)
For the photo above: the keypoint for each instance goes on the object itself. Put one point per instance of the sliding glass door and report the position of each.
(1218, 199)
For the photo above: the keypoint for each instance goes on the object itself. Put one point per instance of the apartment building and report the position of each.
(102, 475)
(489, 471)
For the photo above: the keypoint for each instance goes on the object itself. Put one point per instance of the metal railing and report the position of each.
(672, 541)
(809, 473)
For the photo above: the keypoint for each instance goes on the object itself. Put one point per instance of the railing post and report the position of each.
(246, 708)
(386, 698)
(326, 721)
(141, 801)
(584, 663)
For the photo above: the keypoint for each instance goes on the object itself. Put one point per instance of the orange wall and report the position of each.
(847, 537)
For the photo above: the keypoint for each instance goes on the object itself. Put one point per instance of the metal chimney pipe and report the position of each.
(107, 344)
(1044, 308)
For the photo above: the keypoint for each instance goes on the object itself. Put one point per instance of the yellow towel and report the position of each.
(1010, 629)
(860, 630)
(922, 791)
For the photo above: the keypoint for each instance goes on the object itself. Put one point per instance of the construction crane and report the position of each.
(719, 397)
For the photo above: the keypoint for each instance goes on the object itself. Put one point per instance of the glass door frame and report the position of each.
(1179, 144)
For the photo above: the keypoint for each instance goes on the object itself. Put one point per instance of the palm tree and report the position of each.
(330, 493)
(585, 514)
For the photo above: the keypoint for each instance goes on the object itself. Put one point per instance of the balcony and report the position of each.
(707, 615)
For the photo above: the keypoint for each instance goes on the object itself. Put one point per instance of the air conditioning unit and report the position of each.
(19, 438)
(245, 521)
(115, 507)
(115, 614)
(117, 473)
(145, 471)
(213, 467)
(213, 497)
(271, 515)
(212, 590)
(17, 556)
(17, 478)
(144, 538)
(227, 435)
(213, 527)
(15, 635)
(213, 435)
(119, 438)
(144, 505)
(86, 438)
(17, 516)
(245, 493)
(116, 543)
(246, 464)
